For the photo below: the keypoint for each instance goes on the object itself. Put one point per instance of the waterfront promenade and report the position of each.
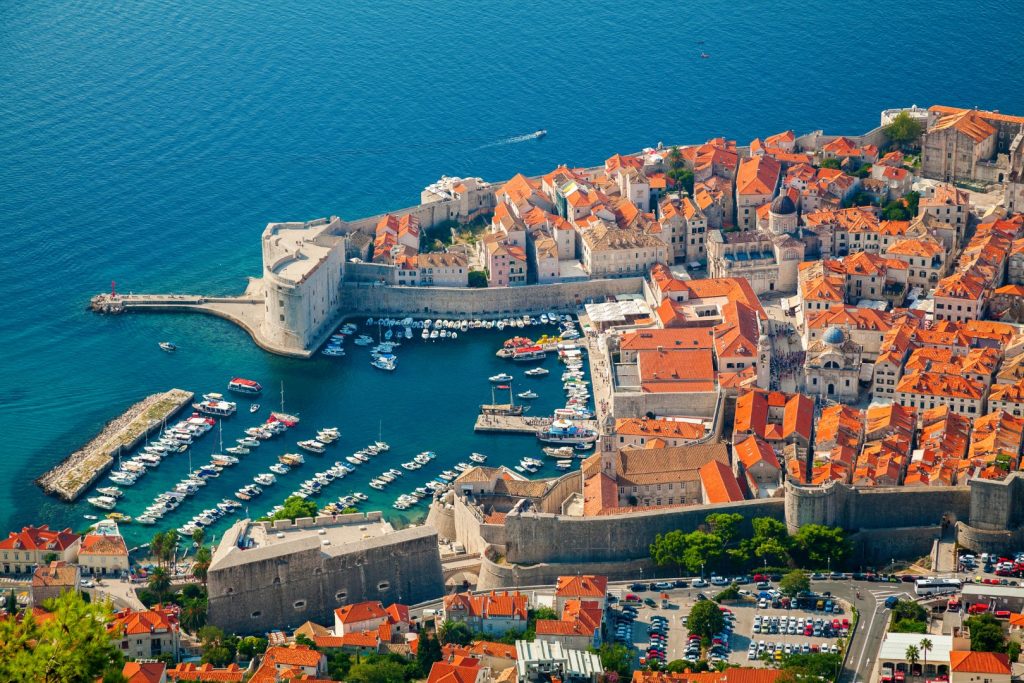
(79, 470)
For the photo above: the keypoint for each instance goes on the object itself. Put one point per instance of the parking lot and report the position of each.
(768, 629)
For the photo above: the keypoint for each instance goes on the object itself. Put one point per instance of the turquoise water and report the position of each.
(151, 142)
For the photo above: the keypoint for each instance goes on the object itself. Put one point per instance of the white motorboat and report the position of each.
(478, 457)
(103, 502)
(501, 377)
(528, 394)
(536, 372)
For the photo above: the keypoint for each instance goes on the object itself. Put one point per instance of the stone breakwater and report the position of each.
(78, 471)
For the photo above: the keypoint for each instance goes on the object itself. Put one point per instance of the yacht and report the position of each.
(384, 363)
(279, 468)
(536, 372)
(502, 377)
(528, 394)
(248, 442)
(266, 479)
(111, 491)
(312, 446)
(167, 346)
(478, 457)
(237, 450)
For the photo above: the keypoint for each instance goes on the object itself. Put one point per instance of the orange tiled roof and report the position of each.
(232, 673)
(135, 622)
(586, 586)
(39, 538)
(962, 661)
(719, 483)
(758, 175)
(360, 611)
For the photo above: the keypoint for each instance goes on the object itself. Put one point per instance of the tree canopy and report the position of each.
(477, 278)
(705, 619)
(986, 634)
(73, 645)
(615, 657)
(819, 544)
(295, 507)
(904, 130)
(795, 582)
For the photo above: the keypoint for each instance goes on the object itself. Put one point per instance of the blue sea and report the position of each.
(148, 143)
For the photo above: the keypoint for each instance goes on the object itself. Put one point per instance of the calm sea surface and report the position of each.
(150, 142)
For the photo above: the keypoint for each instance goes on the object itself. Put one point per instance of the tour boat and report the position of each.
(478, 457)
(216, 407)
(536, 372)
(312, 446)
(529, 353)
(169, 347)
(502, 377)
(103, 502)
(240, 385)
(563, 452)
(528, 394)
(565, 432)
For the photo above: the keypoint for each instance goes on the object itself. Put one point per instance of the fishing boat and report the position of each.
(167, 346)
(528, 394)
(478, 457)
(562, 452)
(536, 372)
(240, 385)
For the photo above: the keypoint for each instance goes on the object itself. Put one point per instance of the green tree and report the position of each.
(705, 620)
(73, 645)
(303, 639)
(667, 549)
(795, 582)
(202, 563)
(830, 163)
(454, 632)
(250, 646)
(218, 649)
(1013, 650)
(986, 634)
(770, 542)
(811, 667)
(193, 614)
(428, 652)
(908, 626)
(477, 278)
(700, 549)
(725, 525)
(198, 536)
(820, 544)
(113, 675)
(730, 593)
(373, 670)
(913, 655)
(680, 176)
(615, 657)
(339, 663)
(295, 507)
(160, 583)
(544, 612)
(11, 603)
(903, 131)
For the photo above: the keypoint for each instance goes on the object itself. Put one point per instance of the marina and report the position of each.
(235, 465)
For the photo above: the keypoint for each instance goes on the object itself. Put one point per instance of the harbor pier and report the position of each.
(78, 471)
(519, 424)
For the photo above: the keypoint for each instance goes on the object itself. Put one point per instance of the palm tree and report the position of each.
(925, 645)
(198, 536)
(160, 582)
(156, 546)
(202, 563)
(913, 654)
(443, 629)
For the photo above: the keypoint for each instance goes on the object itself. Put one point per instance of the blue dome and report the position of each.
(834, 336)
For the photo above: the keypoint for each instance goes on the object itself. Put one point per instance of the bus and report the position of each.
(935, 586)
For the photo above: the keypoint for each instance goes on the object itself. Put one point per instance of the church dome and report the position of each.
(782, 205)
(834, 336)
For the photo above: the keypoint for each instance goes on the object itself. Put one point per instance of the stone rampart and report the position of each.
(458, 302)
(534, 538)
(878, 547)
(498, 574)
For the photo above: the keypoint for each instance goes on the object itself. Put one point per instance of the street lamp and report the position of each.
(829, 564)
(701, 571)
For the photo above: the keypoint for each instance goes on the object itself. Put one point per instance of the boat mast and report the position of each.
(282, 396)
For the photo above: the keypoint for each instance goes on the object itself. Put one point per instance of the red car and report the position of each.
(758, 578)
(977, 608)
(846, 623)
(900, 677)
(1002, 614)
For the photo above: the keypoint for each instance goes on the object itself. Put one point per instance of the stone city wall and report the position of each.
(495, 573)
(284, 592)
(458, 302)
(879, 547)
(543, 538)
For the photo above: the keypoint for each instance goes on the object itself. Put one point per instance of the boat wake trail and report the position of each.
(515, 139)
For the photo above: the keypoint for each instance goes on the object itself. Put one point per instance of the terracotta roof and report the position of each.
(719, 483)
(102, 544)
(143, 672)
(666, 428)
(753, 450)
(360, 611)
(232, 673)
(962, 661)
(758, 175)
(645, 466)
(968, 122)
(586, 586)
(752, 410)
(56, 574)
(650, 340)
(481, 648)
(676, 371)
(730, 675)
(39, 538)
(130, 622)
(442, 672)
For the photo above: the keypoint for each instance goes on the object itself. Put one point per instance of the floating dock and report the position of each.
(79, 470)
